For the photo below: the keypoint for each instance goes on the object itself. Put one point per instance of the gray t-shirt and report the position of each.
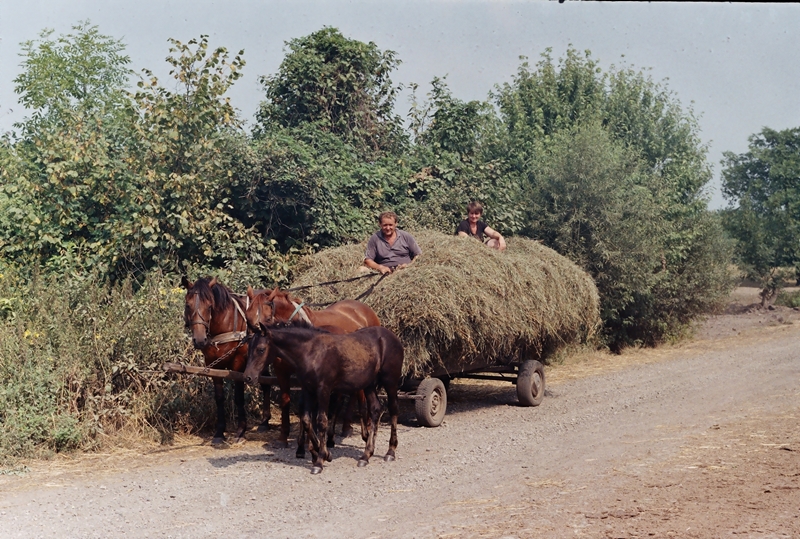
(404, 250)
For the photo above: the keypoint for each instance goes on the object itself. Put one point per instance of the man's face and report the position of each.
(388, 226)
(474, 217)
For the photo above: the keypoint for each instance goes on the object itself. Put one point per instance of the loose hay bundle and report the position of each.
(462, 306)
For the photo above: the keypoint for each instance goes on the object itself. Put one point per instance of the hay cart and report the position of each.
(465, 311)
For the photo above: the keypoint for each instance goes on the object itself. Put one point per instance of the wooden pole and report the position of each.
(216, 373)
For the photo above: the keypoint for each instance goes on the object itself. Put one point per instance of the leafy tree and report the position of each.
(763, 188)
(85, 70)
(341, 85)
(303, 185)
(666, 172)
(459, 155)
(65, 172)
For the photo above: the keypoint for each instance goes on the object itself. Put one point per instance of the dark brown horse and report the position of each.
(345, 316)
(215, 317)
(325, 363)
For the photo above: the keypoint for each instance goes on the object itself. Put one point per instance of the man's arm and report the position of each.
(414, 251)
(378, 267)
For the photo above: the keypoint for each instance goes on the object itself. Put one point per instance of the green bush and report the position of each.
(788, 299)
(80, 364)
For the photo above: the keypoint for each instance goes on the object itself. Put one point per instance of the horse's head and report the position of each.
(257, 353)
(198, 309)
(261, 309)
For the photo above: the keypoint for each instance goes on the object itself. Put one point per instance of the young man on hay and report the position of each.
(473, 227)
(390, 249)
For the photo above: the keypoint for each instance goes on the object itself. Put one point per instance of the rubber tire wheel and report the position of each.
(430, 409)
(530, 383)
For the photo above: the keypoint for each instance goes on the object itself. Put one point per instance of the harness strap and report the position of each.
(298, 308)
(230, 336)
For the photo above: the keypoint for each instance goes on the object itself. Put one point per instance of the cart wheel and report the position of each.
(530, 383)
(432, 406)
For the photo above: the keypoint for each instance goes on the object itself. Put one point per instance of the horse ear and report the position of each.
(186, 283)
(212, 283)
(262, 329)
(250, 292)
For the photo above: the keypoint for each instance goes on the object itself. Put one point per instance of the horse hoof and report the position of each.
(218, 440)
(263, 427)
(362, 463)
(328, 457)
(283, 444)
(389, 458)
(330, 443)
(347, 432)
(300, 455)
(316, 470)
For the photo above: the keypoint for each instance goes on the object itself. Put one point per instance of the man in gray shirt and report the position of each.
(390, 249)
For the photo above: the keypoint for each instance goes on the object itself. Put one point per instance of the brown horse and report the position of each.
(326, 363)
(345, 316)
(215, 317)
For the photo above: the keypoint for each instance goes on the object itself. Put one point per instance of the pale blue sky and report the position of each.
(736, 64)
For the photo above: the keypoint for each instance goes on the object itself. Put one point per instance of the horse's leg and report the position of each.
(266, 410)
(394, 411)
(241, 415)
(286, 407)
(309, 428)
(334, 409)
(219, 398)
(364, 413)
(347, 418)
(323, 403)
(374, 406)
(301, 436)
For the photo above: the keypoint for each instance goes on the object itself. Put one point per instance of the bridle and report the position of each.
(196, 314)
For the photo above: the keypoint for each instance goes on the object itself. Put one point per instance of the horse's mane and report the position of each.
(219, 293)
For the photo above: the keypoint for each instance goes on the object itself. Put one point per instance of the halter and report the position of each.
(272, 313)
(222, 338)
(196, 313)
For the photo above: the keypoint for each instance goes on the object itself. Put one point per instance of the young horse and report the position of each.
(215, 316)
(345, 316)
(324, 362)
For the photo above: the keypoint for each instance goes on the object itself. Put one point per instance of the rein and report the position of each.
(363, 295)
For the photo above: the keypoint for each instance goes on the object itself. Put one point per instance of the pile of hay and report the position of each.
(462, 306)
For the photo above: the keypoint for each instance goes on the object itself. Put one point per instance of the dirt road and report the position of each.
(699, 440)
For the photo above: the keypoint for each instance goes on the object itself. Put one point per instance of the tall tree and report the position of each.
(763, 188)
(341, 85)
(627, 109)
(66, 170)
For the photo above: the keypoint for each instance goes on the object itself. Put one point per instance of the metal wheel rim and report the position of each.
(436, 401)
(536, 384)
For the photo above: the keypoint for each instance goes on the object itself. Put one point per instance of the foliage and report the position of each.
(305, 185)
(591, 203)
(126, 188)
(763, 188)
(340, 85)
(789, 299)
(642, 171)
(85, 70)
(460, 157)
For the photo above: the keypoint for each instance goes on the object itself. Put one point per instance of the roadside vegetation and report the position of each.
(117, 183)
